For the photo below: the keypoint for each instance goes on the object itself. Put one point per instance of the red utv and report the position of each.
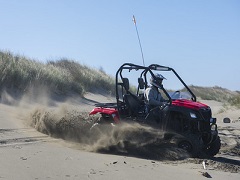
(182, 113)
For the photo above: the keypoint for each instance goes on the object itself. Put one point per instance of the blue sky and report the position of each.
(200, 39)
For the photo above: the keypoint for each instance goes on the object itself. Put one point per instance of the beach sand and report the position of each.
(26, 153)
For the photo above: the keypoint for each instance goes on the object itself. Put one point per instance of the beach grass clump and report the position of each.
(213, 93)
(235, 101)
(91, 79)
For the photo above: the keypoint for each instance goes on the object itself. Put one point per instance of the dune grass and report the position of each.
(235, 101)
(213, 93)
(218, 94)
(90, 79)
(62, 77)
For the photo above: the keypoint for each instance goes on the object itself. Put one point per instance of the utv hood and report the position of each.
(189, 104)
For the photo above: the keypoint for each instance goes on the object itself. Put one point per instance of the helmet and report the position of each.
(156, 80)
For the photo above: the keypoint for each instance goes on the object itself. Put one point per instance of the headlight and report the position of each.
(214, 128)
(193, 115)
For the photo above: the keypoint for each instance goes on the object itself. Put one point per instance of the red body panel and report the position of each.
(188, 104)
(178, 102)
(110, 111)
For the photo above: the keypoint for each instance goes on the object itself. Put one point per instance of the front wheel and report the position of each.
(191, 143)
(213, 148)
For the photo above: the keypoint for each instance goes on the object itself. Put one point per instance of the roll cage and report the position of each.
(124, 91)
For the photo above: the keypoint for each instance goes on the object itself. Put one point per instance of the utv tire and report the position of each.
(226, 120)
(213, 148)
(186, 145)
(191, 143)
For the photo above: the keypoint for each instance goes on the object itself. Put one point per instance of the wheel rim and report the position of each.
(186, 145)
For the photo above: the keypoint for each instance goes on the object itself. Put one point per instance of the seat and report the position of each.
(135, 106)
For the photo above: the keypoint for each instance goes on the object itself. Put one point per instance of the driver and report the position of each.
(154, 98)
(152, 95)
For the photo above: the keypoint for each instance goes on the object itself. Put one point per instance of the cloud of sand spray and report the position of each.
(69, 123)
(130, 139)
(134, 139)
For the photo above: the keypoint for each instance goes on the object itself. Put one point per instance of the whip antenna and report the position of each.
(134, 21)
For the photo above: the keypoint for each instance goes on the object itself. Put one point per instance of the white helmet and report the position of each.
(156, 80)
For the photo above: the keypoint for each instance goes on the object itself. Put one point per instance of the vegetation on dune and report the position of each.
(64, 76)
(218, 94)
(213, 93)
(90, 79)
(235, 101)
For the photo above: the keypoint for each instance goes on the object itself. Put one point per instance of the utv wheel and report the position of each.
(186, 145)
(213, 148)
(190, 143)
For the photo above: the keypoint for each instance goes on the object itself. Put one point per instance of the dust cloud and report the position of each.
(67, 119)
(130, 139)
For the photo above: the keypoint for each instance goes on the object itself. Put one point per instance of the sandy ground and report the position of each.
(26, 153)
